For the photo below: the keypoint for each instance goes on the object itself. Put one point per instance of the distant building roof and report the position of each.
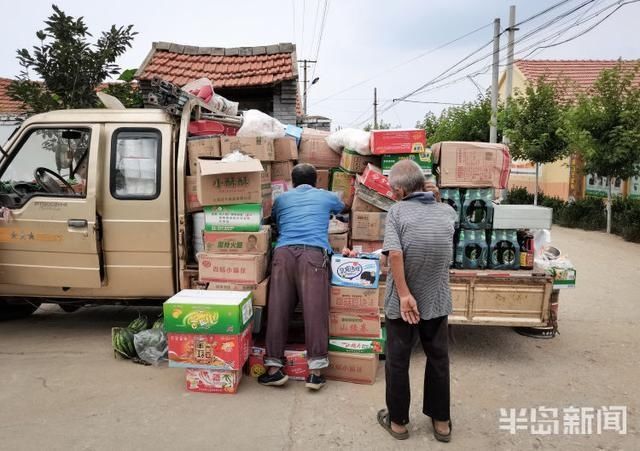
(581, 74)
(8, 106)
(225, 67)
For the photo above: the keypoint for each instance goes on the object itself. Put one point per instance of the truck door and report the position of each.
(50, 233)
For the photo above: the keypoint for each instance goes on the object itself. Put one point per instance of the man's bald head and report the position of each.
(406, 177)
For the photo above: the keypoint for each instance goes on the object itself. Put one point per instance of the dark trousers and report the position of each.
(299, 274)
(435, 342)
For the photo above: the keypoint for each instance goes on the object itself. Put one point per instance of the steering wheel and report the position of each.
(21, 188)
(52, 182)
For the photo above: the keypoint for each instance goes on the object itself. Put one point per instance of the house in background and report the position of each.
(564, 178)
(263, 77)
(11, 111)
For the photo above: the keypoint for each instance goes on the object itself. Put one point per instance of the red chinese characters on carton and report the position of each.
(373, 179)
(397, 141)
(212, 381)
(354, 300)
(342, 324)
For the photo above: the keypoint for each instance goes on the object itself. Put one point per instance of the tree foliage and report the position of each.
(604, 126)
(382, 125)
(69, 66)
(127, 92)
(466, 122)
(533, 123)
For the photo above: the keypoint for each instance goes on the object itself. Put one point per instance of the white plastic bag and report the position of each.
(235, 157)
(257, 123)
(337, 226)
(350, 138)
(203, 89)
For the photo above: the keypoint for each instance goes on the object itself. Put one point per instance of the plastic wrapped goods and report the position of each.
(350, 138)
(257, 123)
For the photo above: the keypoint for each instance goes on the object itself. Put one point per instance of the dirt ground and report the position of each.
(61, 388)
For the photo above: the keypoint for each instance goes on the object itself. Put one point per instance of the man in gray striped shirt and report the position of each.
(419, 242)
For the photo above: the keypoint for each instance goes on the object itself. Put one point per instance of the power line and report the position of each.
(325, 13)
(315, 25)
(293, 8)
(439, 47)
(304, 4)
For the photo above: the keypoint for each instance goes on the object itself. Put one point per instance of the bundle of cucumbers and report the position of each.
(122, 337)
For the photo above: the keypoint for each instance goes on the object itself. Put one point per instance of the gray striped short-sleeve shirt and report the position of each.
(424, 234)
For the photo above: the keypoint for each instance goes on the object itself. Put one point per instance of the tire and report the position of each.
(9, 311)
(69, 308)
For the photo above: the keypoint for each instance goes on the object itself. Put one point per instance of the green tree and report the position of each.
(533, 123)
(466, 122)
(126, 91)
(382, 125)
(69, 66)
(604, 126)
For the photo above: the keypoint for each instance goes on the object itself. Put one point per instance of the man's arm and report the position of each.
(408, 305)
(337, 206)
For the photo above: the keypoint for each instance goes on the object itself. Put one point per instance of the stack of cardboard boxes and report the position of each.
(209, 334)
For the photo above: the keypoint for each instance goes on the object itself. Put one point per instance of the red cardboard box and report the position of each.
(354, 325)
(373, 179)
(210, 351)
(397, 141)
(212, 381)
(296, 365)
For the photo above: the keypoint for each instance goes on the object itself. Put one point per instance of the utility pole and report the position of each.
(305, 65)
(511, 36)
(375, 108)
(493, 130)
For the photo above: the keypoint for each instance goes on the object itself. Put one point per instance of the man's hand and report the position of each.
(431, 187)
(409, 309)
(346, 252)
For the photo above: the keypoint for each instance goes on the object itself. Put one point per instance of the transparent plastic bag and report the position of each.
(257, 123)
(151, 346)
(350, 138)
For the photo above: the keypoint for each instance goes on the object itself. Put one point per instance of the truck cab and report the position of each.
(92, 207)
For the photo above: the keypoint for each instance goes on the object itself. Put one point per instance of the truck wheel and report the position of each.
(69, 308)
(10, 311)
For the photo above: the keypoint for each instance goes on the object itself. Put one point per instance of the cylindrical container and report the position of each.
(233, 218)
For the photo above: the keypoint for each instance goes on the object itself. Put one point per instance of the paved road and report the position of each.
(60, 387)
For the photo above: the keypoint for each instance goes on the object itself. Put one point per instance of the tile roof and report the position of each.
(7, 104)
(580, 74)
(225, 67)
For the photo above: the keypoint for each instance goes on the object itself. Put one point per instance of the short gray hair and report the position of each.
(407, 175)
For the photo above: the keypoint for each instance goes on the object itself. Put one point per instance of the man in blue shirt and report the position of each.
(300, 272)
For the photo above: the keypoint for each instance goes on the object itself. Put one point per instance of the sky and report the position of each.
(363, 44)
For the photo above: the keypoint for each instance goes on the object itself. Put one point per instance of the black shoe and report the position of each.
(275, 379)
(315, 382)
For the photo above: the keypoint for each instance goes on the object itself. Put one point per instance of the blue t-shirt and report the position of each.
(302, 216)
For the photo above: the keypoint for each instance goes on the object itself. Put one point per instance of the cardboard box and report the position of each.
(472, 164)
(354, 300)
(355, 163)
(265, 178)
(368, 226)
(354, 272)
(207, 312)
(373, 179)
(323, 179)
(210, 351)
(423, 159)
(191, 194)
(521, 217)
(360, 205)
(285, 149)
(267, 202)
(212, 381)
(343, 184)
(228, 183)
(397, 141)
(281, 171)
(315, 150)
(366, 247)
(382, 292)
(240, 268)
(296, 365)
(259, 147)
(233, 218)
(359, 345)
(201, 147)
(372, 197)
(189, 280)
(351, 367)
(238, 242)
(338, 241)
(259, 291)
(278, 188)
(343, 324)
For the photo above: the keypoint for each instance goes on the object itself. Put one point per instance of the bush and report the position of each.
(518, 195)
(626, 218)
(588, 214)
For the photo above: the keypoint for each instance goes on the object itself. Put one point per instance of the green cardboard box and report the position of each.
(208, 312)
(423, 159)
(359, 345)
